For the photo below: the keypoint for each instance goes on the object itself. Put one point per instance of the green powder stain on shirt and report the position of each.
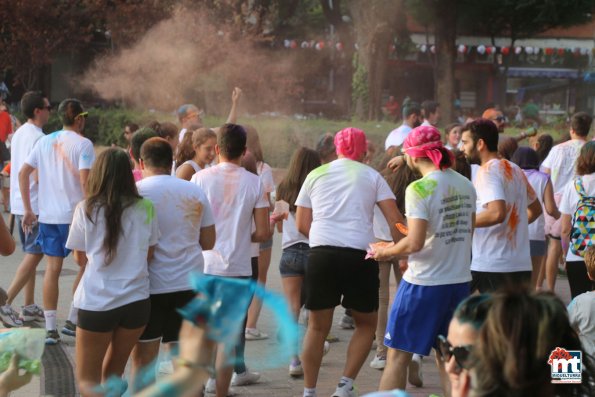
(147, 205)
(317, 172)
(424, 187)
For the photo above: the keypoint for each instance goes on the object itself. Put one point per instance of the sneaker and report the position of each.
(343, 392)
(52, 337)
(32, 313)
(245, 379)
(10, 317)
(346, 322)
(211, 388)
(69, 328)
(254, 334)
(379, 362)
(327, 347)
(330, 338)
(295, 368)
(415, 375)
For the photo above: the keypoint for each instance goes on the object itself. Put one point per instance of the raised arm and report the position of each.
(235, 101)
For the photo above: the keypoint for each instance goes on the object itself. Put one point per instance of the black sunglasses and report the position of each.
(500, 118)
(446, 351)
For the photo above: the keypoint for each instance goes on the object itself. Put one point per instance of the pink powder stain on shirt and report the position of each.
(59, 150)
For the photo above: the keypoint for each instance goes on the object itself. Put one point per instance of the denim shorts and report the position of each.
(294, 260)
(29, 241)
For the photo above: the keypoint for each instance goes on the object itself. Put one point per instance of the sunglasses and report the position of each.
(499, 118)
(446, 351)
(83, 114)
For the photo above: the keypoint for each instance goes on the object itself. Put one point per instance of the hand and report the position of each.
(380, 255)
(395, 163)
(29, 220)
(11, 379)
(236, 94)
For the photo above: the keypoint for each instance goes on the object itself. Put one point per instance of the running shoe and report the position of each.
(342, 391)
(52, 337)
(379, 362)
(245, 379)
(346, 322)
(69, 328)
(327, 347)
(295, 368)
(211, 388)
(10, 317)
(254, 334)
(32, 313)
(415, 375)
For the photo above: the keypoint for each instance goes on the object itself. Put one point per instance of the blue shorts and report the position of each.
(420, 313)
(294, 260)
(52, 239)
(28, 241)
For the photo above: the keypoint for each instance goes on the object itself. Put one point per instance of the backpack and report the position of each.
(582, 233)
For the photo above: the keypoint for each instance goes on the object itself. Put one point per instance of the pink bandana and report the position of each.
(424, 141)
(351, 143)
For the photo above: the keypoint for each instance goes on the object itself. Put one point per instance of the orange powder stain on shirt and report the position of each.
(192, 210)
(59, 149)
(513, 223)
(506, 170)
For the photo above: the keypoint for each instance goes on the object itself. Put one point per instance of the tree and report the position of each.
(34, 32)
(374, 22)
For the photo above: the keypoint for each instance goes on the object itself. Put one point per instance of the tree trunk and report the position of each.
(377, 58)
(444, 78)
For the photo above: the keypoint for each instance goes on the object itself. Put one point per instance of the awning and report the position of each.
(549, 73)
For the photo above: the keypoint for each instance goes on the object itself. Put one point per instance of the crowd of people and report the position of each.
(470, 226)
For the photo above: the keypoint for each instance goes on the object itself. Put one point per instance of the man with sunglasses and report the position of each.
(62, 160)
(440, 211)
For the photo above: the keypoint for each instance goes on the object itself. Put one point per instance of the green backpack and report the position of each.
(582, 233)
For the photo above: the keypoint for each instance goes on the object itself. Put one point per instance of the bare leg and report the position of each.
(143, 354)
(292, 286)
(50, 282)
(123, 340)
(25, 272)
(360, 343)
(395, 372)
(536, 262)
(90, 351)
(551, 264)
(224, 372)
(319, 325)
(264, 261)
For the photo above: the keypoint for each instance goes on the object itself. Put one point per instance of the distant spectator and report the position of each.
(431, 113)
(392, 109)
(326, 148)
(411, 119)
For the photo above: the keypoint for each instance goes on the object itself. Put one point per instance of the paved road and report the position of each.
(57, 377)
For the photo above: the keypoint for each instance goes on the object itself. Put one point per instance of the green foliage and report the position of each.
(360, 93)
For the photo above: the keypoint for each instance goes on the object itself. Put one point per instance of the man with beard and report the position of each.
(501, 240)
(440, 211)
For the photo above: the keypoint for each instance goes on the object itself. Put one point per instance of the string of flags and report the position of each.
(461, 48)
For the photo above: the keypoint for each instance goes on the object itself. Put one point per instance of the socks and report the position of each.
(346, 383)
(309, 392)
(50, 319)
(73, 314)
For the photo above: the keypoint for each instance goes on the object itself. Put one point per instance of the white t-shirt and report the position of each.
(397, 136)
(381, 227)
(124, 280)
(291, 235)
(503, 248)
(58, 158)
(234, 193)
(265, 172)
(446, 200)
(581, 313)
(569, 203)
(342, 195)
(538, 181)
(23, 141)
(561, 162)
(182, 133)
(182, 209)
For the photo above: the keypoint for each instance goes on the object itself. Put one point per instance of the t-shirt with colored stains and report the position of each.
(234, 194)
(561, 161)
(22, 144)
(106, 286)
(504, 247)
(569, 203)
(342, 195)
(446, 200)
(59, 157)
(182, 210)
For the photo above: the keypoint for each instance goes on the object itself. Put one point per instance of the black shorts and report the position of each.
(131, 316)
(165, 321)
(491, 281)
(337, 275)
